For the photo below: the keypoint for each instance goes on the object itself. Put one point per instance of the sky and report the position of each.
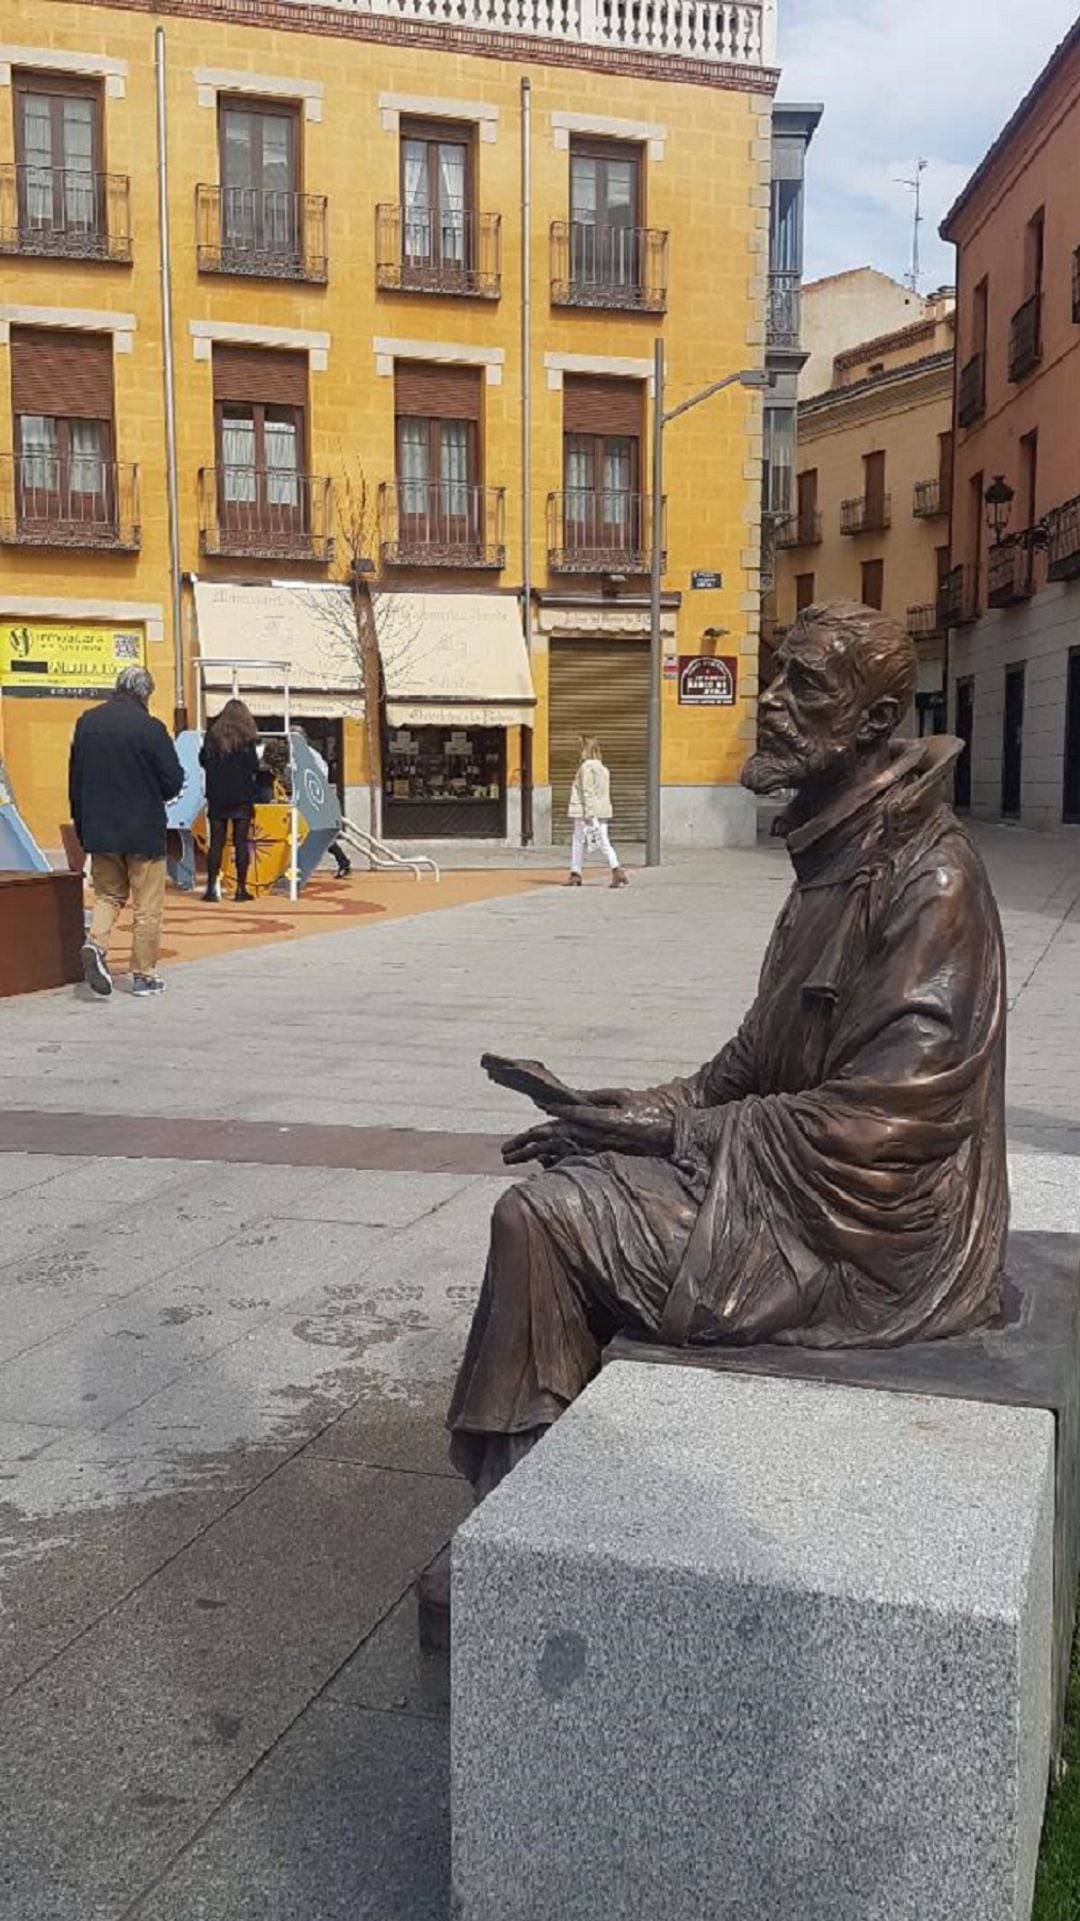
(901, 80)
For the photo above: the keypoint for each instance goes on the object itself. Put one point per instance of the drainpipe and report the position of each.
(526, 437)
(180, 715)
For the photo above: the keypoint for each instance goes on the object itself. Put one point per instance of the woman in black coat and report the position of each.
(231, 762)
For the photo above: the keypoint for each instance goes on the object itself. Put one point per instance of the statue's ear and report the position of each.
(879, 720)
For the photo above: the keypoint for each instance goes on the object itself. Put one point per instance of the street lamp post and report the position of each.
(752, 377)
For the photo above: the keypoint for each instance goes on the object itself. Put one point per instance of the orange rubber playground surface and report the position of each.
(196, 929)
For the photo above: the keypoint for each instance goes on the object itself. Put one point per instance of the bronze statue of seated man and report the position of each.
(836, 1174)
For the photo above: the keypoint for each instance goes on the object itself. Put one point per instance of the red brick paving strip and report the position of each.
(152, 1137)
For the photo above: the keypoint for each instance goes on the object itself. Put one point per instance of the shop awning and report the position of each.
(454, 660)
(312, 628)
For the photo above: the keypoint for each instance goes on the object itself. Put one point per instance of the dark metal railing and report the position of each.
(802, 529)
(442, 523)
(440, 251)
(931, 500)
(79, 501)
(924, 623)
(260, 233)
(783, 311)
(868, 514)
(958, 597)
(971, 391)
(597, 266)
(64, 213)
(1009, 572)
(1063, 548)
(592, 531)
(1025, 338)
(265, 513)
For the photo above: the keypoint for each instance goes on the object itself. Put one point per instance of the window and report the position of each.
(604, 512)
(260, 450)
(980, 313)
(63, 411)
(874, 489)
(436, 513)
(436, 465)
(975, 541)
(1034, 252)
(873, 583)
(605, 215)
(1029, 478)
(260, 406)
(804, 591)
(436, 198)
(965, 728)
(786, 227)
(806, 492)
(945, 468)
(259, 180)
(779, 459)
(58, 156)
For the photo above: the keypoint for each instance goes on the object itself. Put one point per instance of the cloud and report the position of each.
(935, 79)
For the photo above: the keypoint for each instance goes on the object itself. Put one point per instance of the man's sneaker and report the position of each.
(96, 968)
(146, 984)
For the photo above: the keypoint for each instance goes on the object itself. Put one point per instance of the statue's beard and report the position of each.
(795, 762)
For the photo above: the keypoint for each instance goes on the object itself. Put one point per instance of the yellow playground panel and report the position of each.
(268, 844)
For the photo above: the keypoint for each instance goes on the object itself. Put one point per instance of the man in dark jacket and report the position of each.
(123, 769)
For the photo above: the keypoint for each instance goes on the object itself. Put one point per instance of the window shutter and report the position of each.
(265, 374)
(595, 405)
(437, 392)
(65, 375)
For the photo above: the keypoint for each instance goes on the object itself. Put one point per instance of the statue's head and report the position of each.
(845, 675)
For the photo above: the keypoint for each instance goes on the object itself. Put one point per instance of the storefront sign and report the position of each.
(65, 657)
(707, 680)
(703, 578)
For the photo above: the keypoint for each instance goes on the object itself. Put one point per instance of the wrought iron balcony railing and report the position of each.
(591, 531)
(80, 501)
(730, 32)
(971, 392)
(802, 529)
(1025, 338)
(442, 523)
(1009, 572)
(931, 500)
(451, 251)
(868, 514)
(958, 599)
(260, 233)
(608, 267)
(783, 311)
(1063, 551)
(265, 513)
(64, 213)
(924, 623)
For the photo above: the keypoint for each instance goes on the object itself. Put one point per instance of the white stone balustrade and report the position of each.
(724, 31)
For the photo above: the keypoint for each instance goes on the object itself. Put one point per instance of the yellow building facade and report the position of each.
(345, 210)
(870, 511)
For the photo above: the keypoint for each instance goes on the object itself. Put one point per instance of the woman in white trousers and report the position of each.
(590, 811)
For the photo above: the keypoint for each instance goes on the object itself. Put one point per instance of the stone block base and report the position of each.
(765, 1649)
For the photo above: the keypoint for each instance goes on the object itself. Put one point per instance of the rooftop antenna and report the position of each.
(915, 187)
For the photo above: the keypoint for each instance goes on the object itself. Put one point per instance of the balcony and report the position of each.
(869, 514)
(1009, 573)
(435, 252)
(442, 524)
(783, 311)
(925, 623)
(931, 500)
(592, 532)
(971, 392)
(261, 234)
(1063, 552)
(721, 32)
(799, 530)
(1025, 338)
(958, 598)
(265, 513)
(615, 268)
(62, 213)
(78, 502)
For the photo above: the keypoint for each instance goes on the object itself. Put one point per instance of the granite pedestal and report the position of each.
(1031, 1360)
(756, 1649)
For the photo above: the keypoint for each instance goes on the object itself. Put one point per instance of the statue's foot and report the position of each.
(433, 1602)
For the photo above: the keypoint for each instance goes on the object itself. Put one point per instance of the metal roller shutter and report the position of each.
(68, 376)
(261, 374)
(437, 392)
(602, 688)
(595, 405)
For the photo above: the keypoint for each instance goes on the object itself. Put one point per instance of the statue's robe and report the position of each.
(837, 1177)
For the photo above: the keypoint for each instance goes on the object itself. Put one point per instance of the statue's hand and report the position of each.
(637, 1127)
(547, 1144)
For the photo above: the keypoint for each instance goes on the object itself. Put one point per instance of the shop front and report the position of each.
(458, 693)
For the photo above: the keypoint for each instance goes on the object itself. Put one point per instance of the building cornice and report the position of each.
(995, 155)
(292, 16)
(919, 381)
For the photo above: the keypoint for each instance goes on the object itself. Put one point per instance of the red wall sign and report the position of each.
(708, 680)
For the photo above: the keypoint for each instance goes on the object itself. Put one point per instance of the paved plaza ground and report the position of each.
(236, 1271)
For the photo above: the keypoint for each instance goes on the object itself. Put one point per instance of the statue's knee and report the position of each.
(508, 1214)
